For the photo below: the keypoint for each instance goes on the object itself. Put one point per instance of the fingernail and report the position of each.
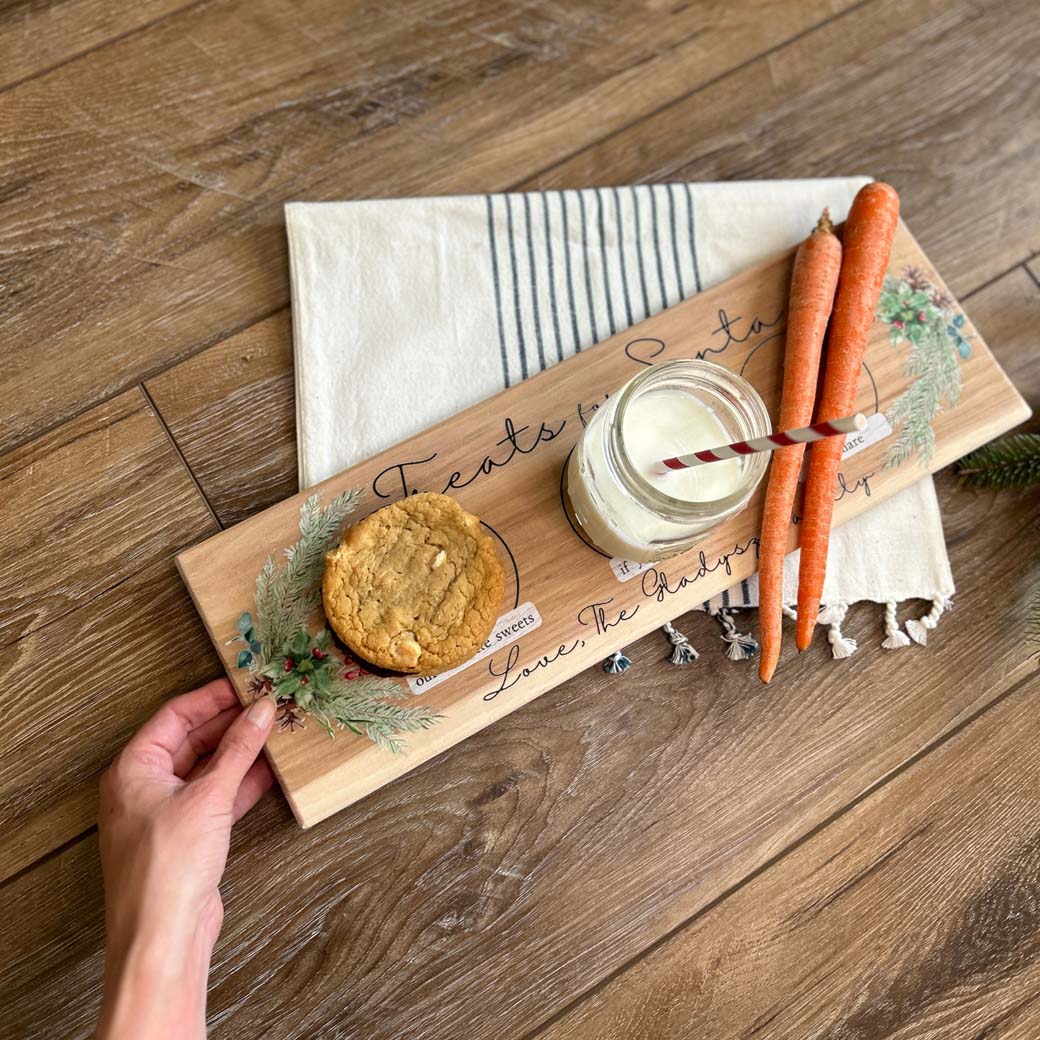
(261, 712)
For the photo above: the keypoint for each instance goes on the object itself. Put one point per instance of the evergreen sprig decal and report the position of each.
(287, 596)
(1011, 462)
(920, 315)
(305, 673)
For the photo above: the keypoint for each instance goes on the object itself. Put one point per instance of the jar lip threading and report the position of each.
(728, 389)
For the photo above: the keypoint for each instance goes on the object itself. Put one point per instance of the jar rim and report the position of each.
(739, 396)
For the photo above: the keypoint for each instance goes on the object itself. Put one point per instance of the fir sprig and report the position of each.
(287, 596)
(363, 706)
(936, 380)
(1011, 462)
(920, 315)
(305, 672)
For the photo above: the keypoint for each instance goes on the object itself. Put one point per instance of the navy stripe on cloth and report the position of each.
(588, 275)
(570, 273)
(552, 277)
(657, 248)
(639, 251)
(603, 257)
(498, 290)
(516, 288)
(622, 246)
(693, 238)
(534, 282)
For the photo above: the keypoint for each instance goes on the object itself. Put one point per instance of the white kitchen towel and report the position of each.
(406, 311)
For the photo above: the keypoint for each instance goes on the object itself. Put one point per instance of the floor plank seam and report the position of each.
(180, 455)
(47, 856)
(776, 859)
(140, 380)
(1024, 263)
(14, 84)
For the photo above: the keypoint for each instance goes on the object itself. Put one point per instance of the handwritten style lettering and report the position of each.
(397, 480)
(727, 328)
(643, 351)
(655, 585)
(596, 614)
(509, 674)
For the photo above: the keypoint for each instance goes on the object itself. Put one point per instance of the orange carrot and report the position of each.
(867, 242)
(813, 282)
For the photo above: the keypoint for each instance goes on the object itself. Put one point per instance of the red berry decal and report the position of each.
(288, 666)
(318, 654)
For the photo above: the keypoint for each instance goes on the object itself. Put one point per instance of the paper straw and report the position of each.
(772, 441)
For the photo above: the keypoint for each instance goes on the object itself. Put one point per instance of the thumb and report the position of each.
(240, 745)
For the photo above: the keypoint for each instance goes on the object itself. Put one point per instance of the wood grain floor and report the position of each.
(851, 853)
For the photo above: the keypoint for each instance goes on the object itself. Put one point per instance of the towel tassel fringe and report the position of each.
(918, 629)
(742, 645)
(682, 652)
(895, 637)
(833, 615)
(616, 663)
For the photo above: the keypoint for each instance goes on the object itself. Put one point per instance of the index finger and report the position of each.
(168, 728)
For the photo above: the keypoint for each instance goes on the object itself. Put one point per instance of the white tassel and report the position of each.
(894, 636)
(741, 645)
(790, 612)
(841, 647)
(682, 652)
(918, 629)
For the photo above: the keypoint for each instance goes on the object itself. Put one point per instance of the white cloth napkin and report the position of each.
(406, 311)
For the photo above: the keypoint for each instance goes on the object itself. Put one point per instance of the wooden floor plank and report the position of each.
(84, 684)
(917, 914)
(231, 411)
(569, 836)
(84, 507)
(883, 91)
(95, 626)
(142, 185)
(39, 34)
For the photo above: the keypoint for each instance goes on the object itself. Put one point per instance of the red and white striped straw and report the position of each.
(772, 441)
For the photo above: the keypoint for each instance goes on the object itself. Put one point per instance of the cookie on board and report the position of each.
(415, 587)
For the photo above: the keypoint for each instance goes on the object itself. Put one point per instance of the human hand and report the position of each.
(167, 805)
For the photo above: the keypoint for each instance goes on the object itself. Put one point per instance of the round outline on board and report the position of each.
(776, 335)
(570, 522)
(512, 560)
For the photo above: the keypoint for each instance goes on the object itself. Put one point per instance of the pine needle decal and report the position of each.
(1011, 462)
(305, 673)
(919, 314)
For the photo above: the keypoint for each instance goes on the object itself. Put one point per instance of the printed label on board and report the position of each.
(508, 629)
(878, 428)
(627, 569)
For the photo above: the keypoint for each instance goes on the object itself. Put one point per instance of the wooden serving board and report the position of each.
(569, 606)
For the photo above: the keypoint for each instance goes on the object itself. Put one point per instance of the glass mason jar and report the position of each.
(619, 510)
